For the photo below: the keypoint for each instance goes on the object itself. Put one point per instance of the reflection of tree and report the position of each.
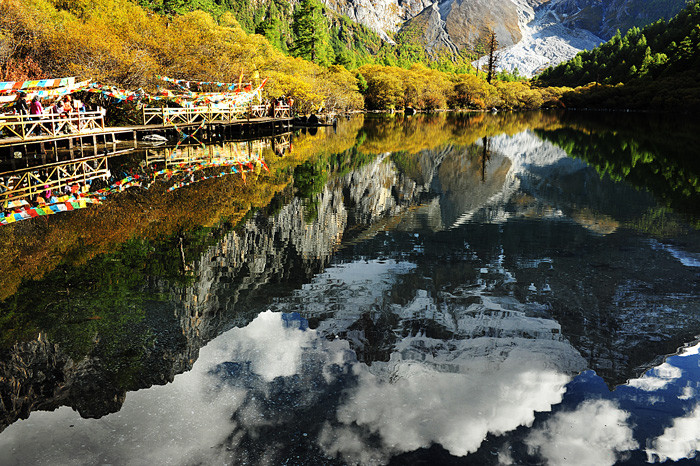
(30, 250)
(485, 156)
(671, 173)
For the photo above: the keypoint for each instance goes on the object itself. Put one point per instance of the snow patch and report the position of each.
(545, 41)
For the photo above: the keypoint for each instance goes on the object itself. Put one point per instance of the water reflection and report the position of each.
(416, 290)
(277, 379)
(275, 375)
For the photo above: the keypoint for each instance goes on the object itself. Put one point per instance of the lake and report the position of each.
(434, 289)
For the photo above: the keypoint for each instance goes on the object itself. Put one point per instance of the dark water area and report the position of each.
(445, 289)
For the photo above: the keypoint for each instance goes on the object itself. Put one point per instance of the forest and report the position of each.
(323, 60)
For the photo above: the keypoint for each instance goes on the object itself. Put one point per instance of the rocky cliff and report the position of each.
(604, 17)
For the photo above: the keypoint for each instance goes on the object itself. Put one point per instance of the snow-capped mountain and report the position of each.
(533, 34)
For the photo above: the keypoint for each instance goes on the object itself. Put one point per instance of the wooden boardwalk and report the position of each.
(26, 134)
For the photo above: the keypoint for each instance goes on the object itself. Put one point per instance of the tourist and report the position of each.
(55, 112)
(66, 110)
(21, 107)
(66, 107)
(57, 107)
(36, 110)
(78, 106)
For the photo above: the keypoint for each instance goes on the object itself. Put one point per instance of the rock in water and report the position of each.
(154, 138)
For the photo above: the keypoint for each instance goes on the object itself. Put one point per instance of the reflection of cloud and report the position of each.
(681, 440)
(183, 422)
(437, 396)
(657, 378)
(267, 391)
(690, 350)
(499, 368)
(351, 444)
(162, 425)
(273, 349)
(595, 433)
(688, 393)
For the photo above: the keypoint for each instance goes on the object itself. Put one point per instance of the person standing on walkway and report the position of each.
(21, 107)
(36, 110)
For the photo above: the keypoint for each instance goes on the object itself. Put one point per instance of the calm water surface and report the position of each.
(488, 289)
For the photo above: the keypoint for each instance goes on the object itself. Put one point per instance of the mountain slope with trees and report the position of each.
(660, 49)
(658, 66)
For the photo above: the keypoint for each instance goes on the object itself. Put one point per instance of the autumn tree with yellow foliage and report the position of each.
(117, 42)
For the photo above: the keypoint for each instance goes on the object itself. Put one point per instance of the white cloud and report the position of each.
(690, 350)
(680, 440)
(596, 433)
(162, 425)
(657, 378)
(412, 403)
(431, 391)
(272, 349)
(688, 393)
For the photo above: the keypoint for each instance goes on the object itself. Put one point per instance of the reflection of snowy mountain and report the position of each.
(478, 353)
(522, 177)
(276, 379)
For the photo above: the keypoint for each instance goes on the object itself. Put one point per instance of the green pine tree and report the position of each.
(311, 38)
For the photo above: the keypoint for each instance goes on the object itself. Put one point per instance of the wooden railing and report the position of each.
(29, 126)
(259, 111)
(173, 116)
(169, 116)
(281, 143)
(282, 111)
(30, 182)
